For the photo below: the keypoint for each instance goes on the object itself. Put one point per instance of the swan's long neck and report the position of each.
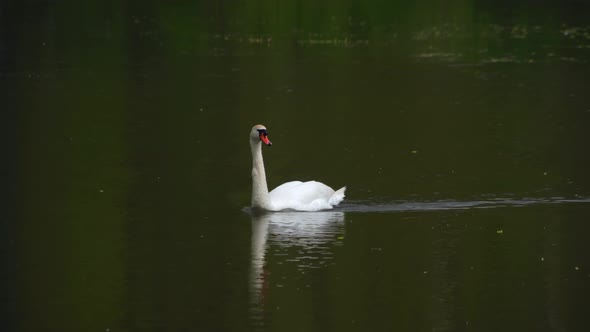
(259, 187)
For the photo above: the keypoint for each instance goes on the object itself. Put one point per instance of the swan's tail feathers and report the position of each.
(337, 197)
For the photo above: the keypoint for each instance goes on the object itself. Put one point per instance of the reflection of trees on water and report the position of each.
(302, 238)
(556, 31)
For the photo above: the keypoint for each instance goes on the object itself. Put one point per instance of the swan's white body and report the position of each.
(294, 195)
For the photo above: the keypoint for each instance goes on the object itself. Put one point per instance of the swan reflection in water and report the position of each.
(302, 238)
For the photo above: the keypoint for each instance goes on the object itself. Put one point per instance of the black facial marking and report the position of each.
(262, 132)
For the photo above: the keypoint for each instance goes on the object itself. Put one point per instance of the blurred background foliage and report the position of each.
(113, 31)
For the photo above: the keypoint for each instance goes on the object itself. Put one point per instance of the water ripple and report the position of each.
(405, 206)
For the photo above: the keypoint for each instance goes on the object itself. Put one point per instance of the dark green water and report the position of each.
(460, 130)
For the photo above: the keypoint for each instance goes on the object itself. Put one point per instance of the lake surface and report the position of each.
(461, 134)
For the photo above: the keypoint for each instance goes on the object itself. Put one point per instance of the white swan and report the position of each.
(294, 195)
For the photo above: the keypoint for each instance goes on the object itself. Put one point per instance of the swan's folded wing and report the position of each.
(286, 186)
(295, 194)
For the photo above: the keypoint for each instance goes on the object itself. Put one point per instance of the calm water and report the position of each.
(462, 136)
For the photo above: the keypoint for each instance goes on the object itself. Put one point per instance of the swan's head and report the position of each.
(259, 133)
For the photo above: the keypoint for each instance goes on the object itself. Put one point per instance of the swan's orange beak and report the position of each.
(264, 138)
